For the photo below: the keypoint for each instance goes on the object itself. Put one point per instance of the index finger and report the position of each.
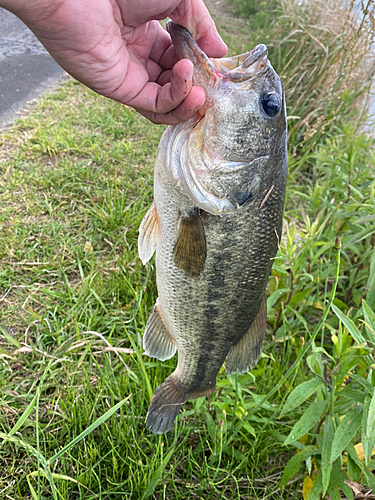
(195, 17)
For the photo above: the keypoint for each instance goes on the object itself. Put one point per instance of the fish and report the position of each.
(214, 225)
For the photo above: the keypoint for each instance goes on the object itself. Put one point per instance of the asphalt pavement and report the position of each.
(26, 68)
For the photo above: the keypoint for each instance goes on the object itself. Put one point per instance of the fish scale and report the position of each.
(219, 188)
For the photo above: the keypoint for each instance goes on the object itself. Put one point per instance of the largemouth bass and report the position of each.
(215, 223)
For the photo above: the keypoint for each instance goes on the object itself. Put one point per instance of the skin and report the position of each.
(118, 49)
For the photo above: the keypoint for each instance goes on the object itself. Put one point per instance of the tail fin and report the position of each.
(165, 405)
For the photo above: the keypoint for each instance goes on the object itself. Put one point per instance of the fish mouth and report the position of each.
(248, 66)
(208, 71)
(205, 73)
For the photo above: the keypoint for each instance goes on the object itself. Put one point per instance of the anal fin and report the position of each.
(245, 354)
(157, 341)
(189, 253)
(147, 234)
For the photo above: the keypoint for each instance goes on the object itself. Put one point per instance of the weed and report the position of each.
(76, 180)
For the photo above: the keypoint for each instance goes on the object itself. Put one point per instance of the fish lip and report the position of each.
(205, 73)
(254, 56)
(178, 34)
(255, 64)
(186, 47)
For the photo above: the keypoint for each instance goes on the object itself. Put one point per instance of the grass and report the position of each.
(75, 181)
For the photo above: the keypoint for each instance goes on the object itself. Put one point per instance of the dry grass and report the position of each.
(328, 62)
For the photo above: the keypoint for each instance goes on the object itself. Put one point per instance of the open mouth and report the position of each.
(237, 69)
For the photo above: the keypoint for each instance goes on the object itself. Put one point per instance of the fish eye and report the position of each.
(271, 103)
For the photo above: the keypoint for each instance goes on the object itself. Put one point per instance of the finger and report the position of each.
(195, 17)
(163, 99)
(164, 77)
(154, 71)
(186, 110)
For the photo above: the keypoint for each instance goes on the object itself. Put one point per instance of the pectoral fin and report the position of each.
(189, 253)
(157, 341)
(245, 354)
(147, 234)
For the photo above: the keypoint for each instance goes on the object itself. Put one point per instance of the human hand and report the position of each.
(118, 49)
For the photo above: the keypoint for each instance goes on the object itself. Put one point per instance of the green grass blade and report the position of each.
(158, 473)
(25, 415)
(30, 449)
(141, 363)
(33, 492)
(57, 476)
(87, 431)
(13, 341)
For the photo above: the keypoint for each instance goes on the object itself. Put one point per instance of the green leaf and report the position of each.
(315, 363)
(333, 492)
(294, 464)
(369, 477)
(326, 452)
(346, 431)
(249, 429)
(352, 329)
(365, 383)
(367, 231)
(158, 473)
(308, 419)
(211, 427)
(333, 489)
(272, 299)
(317, 488)
(300, 394)
(348, 492)
(369, 320)
(354, 472)
(365, 218)
(368, 428)
(299, 296)
(370, 297)
(33, 492)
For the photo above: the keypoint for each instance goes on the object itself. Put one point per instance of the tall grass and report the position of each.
(76, 179)
(324, 53)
